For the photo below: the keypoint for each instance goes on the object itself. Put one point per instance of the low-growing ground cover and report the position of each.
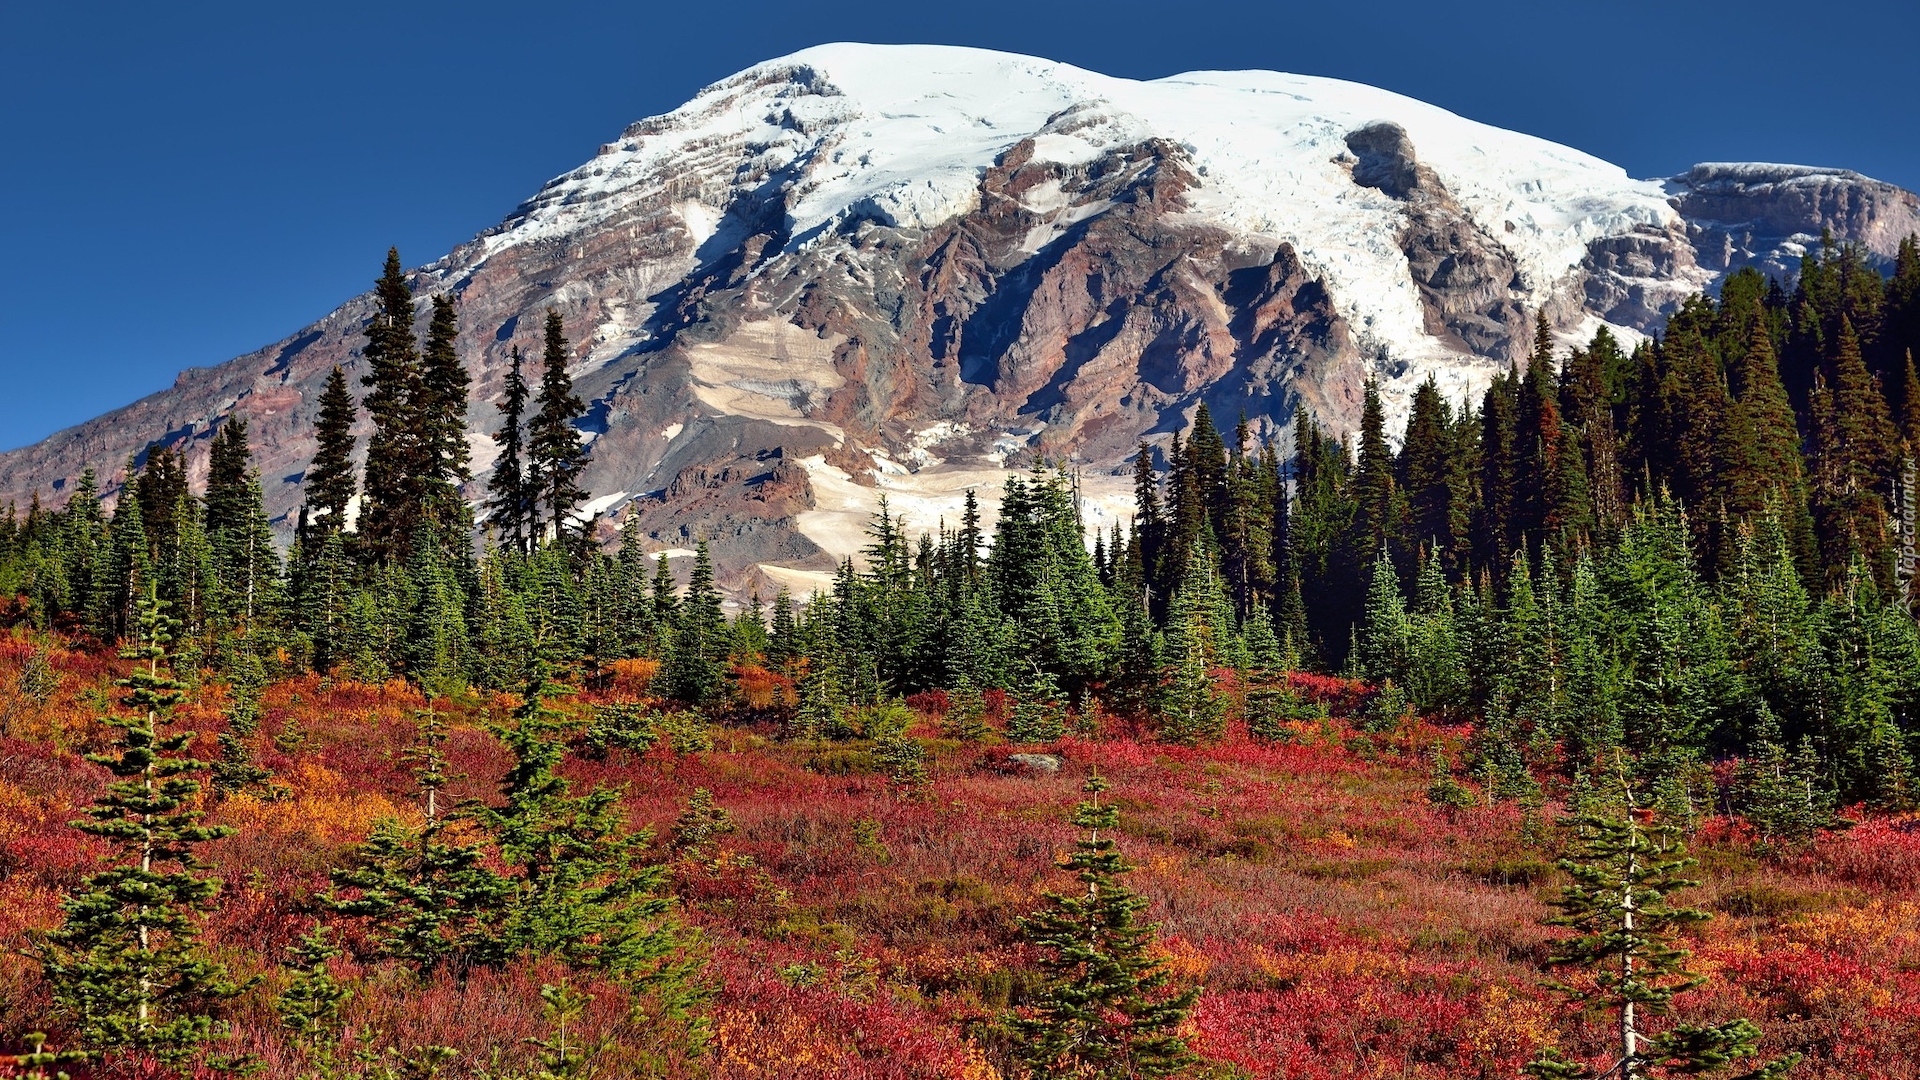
(1337, 922)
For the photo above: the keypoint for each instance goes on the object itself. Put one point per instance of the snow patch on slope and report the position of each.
(843, 509)
(901, 135)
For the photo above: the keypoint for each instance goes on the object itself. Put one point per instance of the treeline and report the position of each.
(1686, 549)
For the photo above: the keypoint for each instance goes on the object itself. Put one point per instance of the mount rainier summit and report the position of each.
(867, 269)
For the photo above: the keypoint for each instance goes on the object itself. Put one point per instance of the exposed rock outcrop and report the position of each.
(863, 269)
(1753, 214)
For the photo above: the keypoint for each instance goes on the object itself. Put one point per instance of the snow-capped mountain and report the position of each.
(896, 268)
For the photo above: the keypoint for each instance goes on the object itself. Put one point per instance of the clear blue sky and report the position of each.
(181, 183)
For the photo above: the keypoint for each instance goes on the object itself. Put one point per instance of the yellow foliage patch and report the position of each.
(330, 817)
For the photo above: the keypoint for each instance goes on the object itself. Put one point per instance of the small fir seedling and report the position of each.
(126, 962)
(701, 823)
(1444, 791)
(37, 1060)
(1107, 1008)
(965, 720)
(310, 1005)
(905, 762)
(866, 839)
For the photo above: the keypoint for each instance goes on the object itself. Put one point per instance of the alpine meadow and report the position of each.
(930, 563)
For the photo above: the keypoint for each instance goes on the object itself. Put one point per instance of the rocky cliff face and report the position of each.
(863, 270)
(1749, 214)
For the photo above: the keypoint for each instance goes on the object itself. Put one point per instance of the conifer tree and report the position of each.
(701, 823)
(161, 488)
(325, 598)
(1424, 469)
(126, 963)
(427, 900)
(330, 483)
(436, 634)
(1568, 521)
(1499, 502)
(510, 501)
(1435, 673)
(1625, 943)
(310, 1005)
(394, 470)
(440, 417)
(82, 543)
(783, 637)
(1106, 1009)
(125, 569)
(555, 457)
(1853, 450)
(695, 669)
(581, 886)
(1784, 797)
(1037, 715)
(38, 1059)
(185, 572)
(1373, 482)
(236, 771)
(1762, 461)
(1909, 416)
(1537, 441)
(246, 564)
(1190, 708)
(1386, 639)
(229, 463)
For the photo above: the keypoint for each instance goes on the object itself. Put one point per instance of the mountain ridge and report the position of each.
(896, 268)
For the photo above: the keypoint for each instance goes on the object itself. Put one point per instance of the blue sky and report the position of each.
(185, 182)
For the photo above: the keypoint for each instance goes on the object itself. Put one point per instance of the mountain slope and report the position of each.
(863, 268)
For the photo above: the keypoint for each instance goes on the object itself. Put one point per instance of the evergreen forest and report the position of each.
(1341, 717)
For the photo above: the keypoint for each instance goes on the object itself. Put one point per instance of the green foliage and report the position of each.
(310, 1005)
(330, 483)
(125, 964)
(555, 454)
(701, 823)
(905, 761)
(1191, 709)
(236, 770)
(1784, 797)
(624, 725)
(428, 899)
(965, 719)
(580, 885)
(1626, 943)
(867, 840)
(695, 668)
(1444, 791)
(1038, 715)
(1272, 710)
(1106, 1009)
(38, 1059)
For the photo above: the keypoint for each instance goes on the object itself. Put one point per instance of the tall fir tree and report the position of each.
(555, 456)
(390, 491)
(1854, 444)
(440, 419)
(695, 667)
(246, 563)
(511, 504)
(124, 569)
(330, 483)
(1423, 472)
